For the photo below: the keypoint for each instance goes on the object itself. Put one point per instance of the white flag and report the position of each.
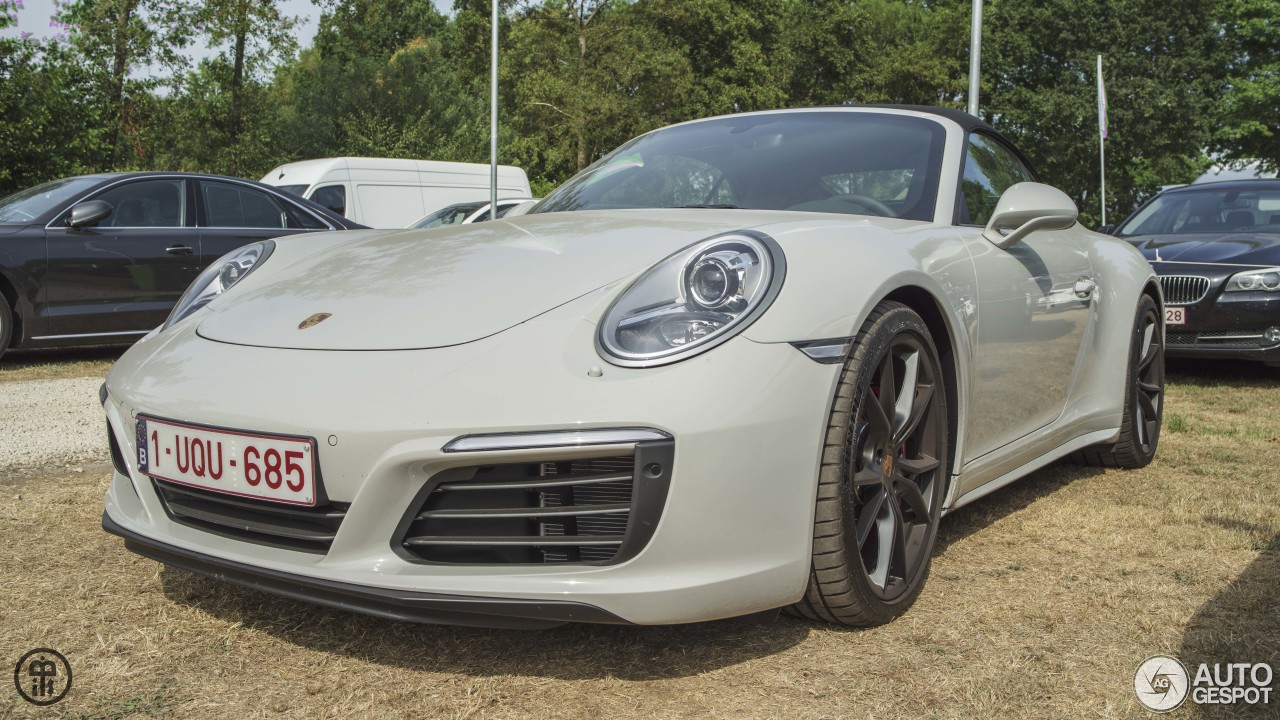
(1102, 103)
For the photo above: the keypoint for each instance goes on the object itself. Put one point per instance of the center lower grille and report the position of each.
(588, 510)
(1225, 339)
(1183, 289)
(311, 529)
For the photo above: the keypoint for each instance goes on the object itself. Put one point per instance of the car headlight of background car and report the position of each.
(693, 300)
(219, 277)
(1267, 280)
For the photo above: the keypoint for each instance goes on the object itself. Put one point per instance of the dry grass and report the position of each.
(1044, 599)
(58, 364)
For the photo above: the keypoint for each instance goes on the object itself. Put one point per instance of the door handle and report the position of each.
(1084, 288)
(180, 250)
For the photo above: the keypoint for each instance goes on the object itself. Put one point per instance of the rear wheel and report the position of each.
(1144, 397)
(6, 326)
(883, 474)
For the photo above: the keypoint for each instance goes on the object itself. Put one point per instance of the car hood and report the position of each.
(1229, 248)
(420, 289)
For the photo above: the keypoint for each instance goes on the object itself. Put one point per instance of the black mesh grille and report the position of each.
(595, 510)
(1183, 289)
(298, 528)
(1226, 339)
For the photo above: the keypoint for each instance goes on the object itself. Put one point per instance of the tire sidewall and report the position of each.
(876, 344)
(1145, 306)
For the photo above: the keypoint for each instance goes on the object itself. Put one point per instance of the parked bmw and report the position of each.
(101, 259)
(737, 364)
(1216, 248)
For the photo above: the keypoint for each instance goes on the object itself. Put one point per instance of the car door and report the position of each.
(121, 276)
(234, 215)
(1031, 321)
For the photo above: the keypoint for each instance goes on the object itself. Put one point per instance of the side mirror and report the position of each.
(1025, 208)
(88, 213)
(1107, 229)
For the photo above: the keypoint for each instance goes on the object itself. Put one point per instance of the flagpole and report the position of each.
(1102, 138)
(493, 115)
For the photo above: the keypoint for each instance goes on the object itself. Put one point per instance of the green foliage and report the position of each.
(1251, 103)
(1163, 67)
(579, 77)
(49, 125)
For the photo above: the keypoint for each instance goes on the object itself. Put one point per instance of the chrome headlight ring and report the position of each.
(692, 301)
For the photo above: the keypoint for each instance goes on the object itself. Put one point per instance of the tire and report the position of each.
(871, 455)
(6, 326)
(1143, 399)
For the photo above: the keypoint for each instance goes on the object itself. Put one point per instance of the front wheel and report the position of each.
(884, 471)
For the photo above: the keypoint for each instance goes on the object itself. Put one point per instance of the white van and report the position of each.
(391, 193)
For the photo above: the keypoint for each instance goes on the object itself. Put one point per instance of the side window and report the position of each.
(333, 197)
(989, 170)
(146, 203)
(232, 206)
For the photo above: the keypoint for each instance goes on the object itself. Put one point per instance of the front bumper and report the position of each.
(1218, 324)
(732, 538)
(405, 605)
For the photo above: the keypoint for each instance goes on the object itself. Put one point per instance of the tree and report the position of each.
(253, 36)
(119, 38)
(582, 76)
(1251, 103)
(1163, 64)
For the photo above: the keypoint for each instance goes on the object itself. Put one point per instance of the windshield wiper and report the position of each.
(710, 207)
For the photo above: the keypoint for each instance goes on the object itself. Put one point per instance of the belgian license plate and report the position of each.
(252, 465)
(1175, 316)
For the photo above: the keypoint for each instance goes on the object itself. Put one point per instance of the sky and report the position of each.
(34, 19)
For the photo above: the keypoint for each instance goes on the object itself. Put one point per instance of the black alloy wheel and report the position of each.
(883, 476)
(1144, 397)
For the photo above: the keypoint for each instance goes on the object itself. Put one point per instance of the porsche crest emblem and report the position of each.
(314, 320)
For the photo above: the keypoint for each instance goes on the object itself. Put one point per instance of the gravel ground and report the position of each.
(50, 422)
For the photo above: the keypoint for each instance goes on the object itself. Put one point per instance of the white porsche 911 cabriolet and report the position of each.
(738, 364)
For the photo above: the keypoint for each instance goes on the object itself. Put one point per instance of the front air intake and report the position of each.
(599, 510)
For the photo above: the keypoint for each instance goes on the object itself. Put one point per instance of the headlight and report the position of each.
(1267, 280)
(219, 277)
(693, 300)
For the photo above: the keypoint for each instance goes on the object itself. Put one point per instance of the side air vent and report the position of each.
(584, 510)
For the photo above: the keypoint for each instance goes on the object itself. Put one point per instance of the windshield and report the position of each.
(452, 215)
(295, 189)
(830, 162)
(1220, 210)
(29, 204)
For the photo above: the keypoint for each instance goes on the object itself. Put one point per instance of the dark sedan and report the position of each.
(1216, 248)
(101, 259)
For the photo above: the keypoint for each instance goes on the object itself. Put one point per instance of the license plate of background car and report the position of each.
(252, 465)
(1175, 316)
